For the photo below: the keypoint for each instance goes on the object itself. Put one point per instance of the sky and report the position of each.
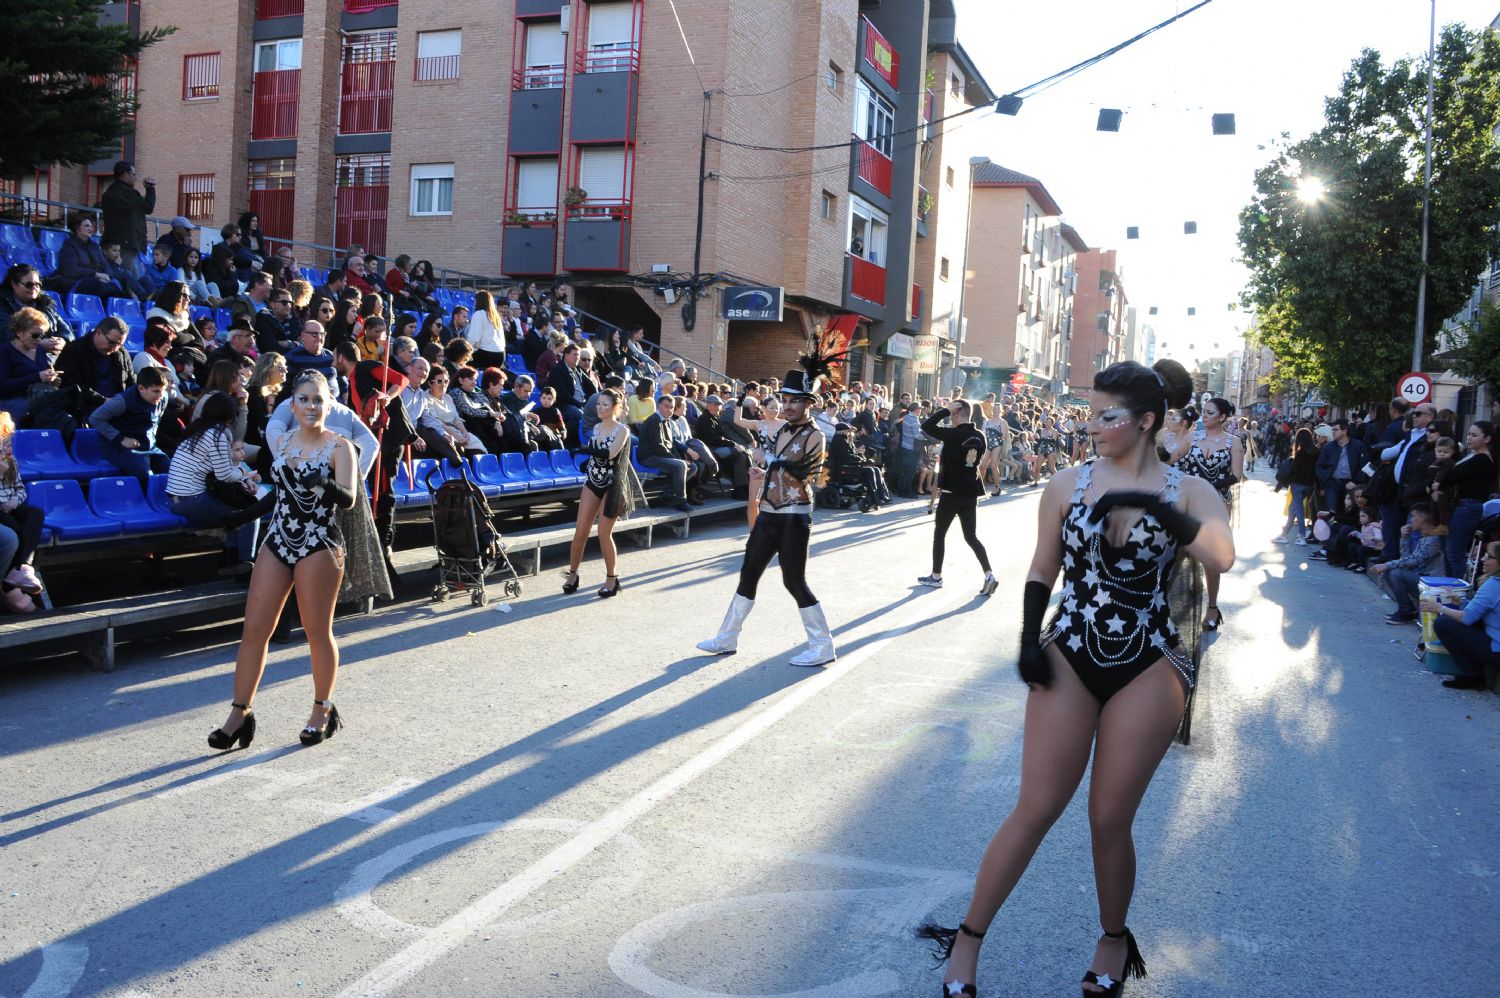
(1269, 62)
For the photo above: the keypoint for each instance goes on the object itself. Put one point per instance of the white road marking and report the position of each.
(442, 939)
(365, 809)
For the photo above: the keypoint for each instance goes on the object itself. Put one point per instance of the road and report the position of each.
(565, 799)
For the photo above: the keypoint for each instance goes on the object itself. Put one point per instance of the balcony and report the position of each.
(535, 117)
(872, 166)
(866, 280)
(605, 88)
(529, 249)
(265, 9)
(365, 6)
(365, 97)
(273, 113)
(597, 238)
(879, 54)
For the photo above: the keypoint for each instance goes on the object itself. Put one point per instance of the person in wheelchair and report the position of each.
(851, 476)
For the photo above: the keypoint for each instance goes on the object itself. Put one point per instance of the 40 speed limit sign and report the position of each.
(1415, 388)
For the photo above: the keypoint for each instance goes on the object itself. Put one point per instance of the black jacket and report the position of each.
(272, 336)
(82, 365)
(568, 384)
(656, 437)
(1328, 461)
(963, 451)
(125, 210)
(10, 305)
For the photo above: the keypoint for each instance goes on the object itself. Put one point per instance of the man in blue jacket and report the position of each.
(1340, 464)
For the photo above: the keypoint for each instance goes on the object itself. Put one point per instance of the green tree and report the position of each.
(1478, 357)
(1335, 280)
(59, 67)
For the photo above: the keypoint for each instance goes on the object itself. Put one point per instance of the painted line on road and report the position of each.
(447, 936)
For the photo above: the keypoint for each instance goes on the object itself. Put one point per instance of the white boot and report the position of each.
(726, 642)
(819, 639)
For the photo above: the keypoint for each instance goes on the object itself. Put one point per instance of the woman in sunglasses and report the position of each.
(23, 289)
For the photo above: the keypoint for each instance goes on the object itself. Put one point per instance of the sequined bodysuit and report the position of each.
(303, 521)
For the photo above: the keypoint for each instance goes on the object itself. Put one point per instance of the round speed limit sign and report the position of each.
(1415, 388)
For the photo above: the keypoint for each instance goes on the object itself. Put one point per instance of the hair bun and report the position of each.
(1189, 413)
(1176, 381)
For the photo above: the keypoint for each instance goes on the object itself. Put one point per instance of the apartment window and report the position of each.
(943, 268)
(437, 55)
(536, 188)
(874, 117)
(828, 206)
(195, 196)
(835, 78)
(200, 76)
(272, 57)
(955, 85)
(611, 38)
(273, 186)
(949, 177)
(605, 174)
(432, 189)
(545, 51)
(868, 227)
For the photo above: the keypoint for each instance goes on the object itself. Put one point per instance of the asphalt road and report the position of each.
(566, 799)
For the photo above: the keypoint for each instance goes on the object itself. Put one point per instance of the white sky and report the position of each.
(1270, 62)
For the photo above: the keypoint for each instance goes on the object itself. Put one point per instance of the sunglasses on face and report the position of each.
(28, 284)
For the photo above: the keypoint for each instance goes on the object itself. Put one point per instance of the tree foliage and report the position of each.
(59, 70)
(1478, 357)
(1335, 281)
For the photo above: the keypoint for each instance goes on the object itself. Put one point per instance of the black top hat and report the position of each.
(798, 384)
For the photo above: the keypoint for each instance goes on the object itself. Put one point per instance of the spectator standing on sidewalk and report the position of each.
(1304, 479)
(1467, 485)
(1421, 554)
(1471, 633)
(1339, 464)
(1404, 454)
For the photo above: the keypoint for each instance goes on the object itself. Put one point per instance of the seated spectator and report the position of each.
(657, 451)
(322, 309)
(171, 303)
(473, 406)
(1421, 554)
(518, 399)
(23, 289)
(404, 324)
(416, 399)
(372, 339)
(372, 275)
(846, 462)
(549, 358)
(291, 268)
(731, 455)
(1363, 544)
(334, 285)
(252, 301)
(1340, 526)
(457, 323)
(253, 238)
(1465, 486)
(97, 365)
(615, 359)
(550, 421)
(1471, 633)
(206, 486)
(139, 286)
(567, 384)
(275, 325)
(309, 354)
(160, 271)
(24, 363)
(268, 383)
(20, 529)
(178, 240)
(127, 426)
(421, 288)
(705, 466)
(432, 330)
(346, 324)
(239, 341)
(159, 339)
(459, 353)
(642, 405)
(533, 342)
(403, 351)
(219, 274)
(302, 296)
(485, 330)
(81, 266)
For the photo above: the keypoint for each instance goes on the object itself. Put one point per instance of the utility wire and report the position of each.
(1030, 89)
(683, 35)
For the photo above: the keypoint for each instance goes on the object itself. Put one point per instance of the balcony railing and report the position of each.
(274, 110)
(365, 6)
(365, 97)
(278, 8)
(874, 167)
(537, 78)
(624, 59)
(866, 280)
(436, 67)
(881, 55)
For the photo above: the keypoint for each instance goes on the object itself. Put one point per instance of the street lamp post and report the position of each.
(1416, 350)
(963, 277)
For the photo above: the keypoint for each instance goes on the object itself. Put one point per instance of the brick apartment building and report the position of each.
(533, 139)
(1100, 310)
(1023, 285)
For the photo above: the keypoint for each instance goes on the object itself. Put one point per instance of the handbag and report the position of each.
(229, 493)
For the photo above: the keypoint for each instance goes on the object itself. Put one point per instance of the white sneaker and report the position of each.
(1281, 540)
(989, 585)
(1301, 542)
(931, 581)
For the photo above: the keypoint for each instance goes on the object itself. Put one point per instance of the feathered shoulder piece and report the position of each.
(819, 358)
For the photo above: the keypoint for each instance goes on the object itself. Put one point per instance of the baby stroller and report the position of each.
(468, 547)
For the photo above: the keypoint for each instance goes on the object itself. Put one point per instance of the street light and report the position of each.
(1416, 350)
(958, 347)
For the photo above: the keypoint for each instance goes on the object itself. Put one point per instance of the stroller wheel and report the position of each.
(513, 588)
(439, 593)
(478, 597)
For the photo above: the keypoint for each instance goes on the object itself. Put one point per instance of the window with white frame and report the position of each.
(275, 56)
(874, 117)
(438, 54)
(544, 56)
(536, 188)
(604, 173)
(432, 189)
(868, 227)
(611, 37)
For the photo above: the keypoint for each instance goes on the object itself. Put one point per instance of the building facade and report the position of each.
(1100, 308)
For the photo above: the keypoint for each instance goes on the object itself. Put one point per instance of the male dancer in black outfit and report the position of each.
(959, 485)
(783, 524)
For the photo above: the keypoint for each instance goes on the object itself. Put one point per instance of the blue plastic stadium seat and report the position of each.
(314, 276)
(51, 240)
(566, 471)
(196, 312)
(68, 514)
(542, 475)
(120, 498)
(47, 536)
(641, 470)
(513, 467)
(86, 310)
(28, 254)
(125, 308)
(156, 491)
(489, 476)
(515, 364)
(409, 492)
(222, 316)
(42, 454)
(15, 236)
(87, 454)
(135, 339)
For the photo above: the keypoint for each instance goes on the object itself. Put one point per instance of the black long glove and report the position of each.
(1032, 664)
(334, 494)
(1178, 525)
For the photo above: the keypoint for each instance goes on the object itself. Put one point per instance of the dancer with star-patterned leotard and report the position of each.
(1109, 678)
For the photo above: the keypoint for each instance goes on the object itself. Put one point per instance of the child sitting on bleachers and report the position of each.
(21, 521)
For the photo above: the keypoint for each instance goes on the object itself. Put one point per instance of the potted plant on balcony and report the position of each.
(925, 202)
(514, 217)
(575, 196)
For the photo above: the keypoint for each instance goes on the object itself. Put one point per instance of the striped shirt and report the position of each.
(194, 461)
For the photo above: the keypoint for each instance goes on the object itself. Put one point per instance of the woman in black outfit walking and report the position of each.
(959, 487)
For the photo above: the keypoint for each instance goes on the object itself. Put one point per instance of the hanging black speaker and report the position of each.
(1132, 232)
(1189, 228)
(1223, 124)
(1109, 120)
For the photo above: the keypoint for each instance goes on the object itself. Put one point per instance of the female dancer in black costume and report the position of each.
(1109, 673)
(1219, 459)
(610, 490)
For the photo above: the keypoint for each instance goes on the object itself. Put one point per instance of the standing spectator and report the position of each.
(1339, 464)
(1304, 479)
(125, 209)
(1397, 443)
(486, 331)
(127, 426)
(178, 240)
(1421, 554)
(1471, 633)
(1468, 484)
(81, 267)
(656, 451)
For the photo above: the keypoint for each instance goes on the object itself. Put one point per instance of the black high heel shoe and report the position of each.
(571, 586)
(1134, 967)
(331, 724)
(1212, 625)
(607, 591)
(245, 734)
(945, 938)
